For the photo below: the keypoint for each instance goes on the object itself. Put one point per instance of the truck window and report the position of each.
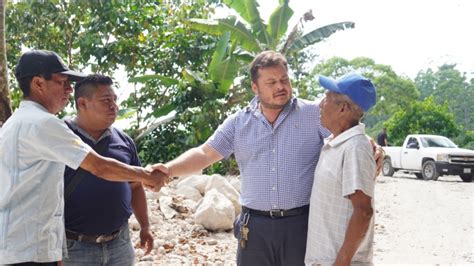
(412, 143)
(437, 142)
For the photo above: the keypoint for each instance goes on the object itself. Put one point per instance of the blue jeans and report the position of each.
(116, 252)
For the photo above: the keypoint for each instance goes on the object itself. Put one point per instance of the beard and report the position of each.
(267, 105)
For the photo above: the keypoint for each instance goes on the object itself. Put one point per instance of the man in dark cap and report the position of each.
(35, 146)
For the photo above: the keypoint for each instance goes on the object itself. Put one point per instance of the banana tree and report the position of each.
(253, 35)
(195, 89)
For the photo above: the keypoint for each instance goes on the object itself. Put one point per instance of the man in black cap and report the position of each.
(35, 146)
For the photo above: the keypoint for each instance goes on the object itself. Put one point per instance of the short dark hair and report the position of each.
(25, 82)
(86, 87)
(266, 59)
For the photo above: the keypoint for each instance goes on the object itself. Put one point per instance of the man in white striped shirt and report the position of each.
(340, 227)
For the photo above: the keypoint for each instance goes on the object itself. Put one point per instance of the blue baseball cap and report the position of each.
(358, 88)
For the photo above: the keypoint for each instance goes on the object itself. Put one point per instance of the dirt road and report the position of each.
(421, 221)
(417, 222)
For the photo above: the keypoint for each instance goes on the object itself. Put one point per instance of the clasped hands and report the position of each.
(158, 177)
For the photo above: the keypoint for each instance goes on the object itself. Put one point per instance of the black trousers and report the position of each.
(273, 241)
(35, 264)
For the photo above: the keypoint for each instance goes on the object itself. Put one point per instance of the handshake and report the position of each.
(158, 175)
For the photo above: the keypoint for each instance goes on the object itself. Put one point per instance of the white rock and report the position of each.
(190, 204)
(147, 258)
(196, 181)
(211, 242)
(153, 195)
(134, 225)
(164, 191)
(189, 192)
(161, 250)
(165, 203)
(223, 186)
(145, 263)
(216, 212)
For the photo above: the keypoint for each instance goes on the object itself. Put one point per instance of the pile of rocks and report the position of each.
(192, 220)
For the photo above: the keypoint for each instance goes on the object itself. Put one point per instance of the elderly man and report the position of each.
(340, 228)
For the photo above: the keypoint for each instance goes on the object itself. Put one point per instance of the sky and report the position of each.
(409, 35)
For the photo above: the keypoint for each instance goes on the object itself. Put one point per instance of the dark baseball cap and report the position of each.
(42, 62)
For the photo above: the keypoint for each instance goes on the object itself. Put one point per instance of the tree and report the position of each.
(5, 106)
(425, 81)
(449, 85)
(250, 35)
(253, 35)
(426, 117)
(139, 37)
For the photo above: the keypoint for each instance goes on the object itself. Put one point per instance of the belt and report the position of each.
(278, 213)
(91, 239)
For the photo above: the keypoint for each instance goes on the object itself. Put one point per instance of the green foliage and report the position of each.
(254, 35)
(465, 139)
(449, 85)
(424, 117)
(140, 37)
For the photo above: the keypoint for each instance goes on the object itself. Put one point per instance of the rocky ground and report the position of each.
(428, 222)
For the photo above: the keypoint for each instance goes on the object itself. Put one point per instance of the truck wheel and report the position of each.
(418, 175)
(466, 177)
(429, 171)
(387, 169)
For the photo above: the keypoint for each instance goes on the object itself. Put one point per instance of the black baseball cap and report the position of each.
(42, 62)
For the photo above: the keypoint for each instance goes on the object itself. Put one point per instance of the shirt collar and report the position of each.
(344, 136)
(30, 103)
(72, 122)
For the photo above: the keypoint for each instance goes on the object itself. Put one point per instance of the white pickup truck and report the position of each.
(428, 157)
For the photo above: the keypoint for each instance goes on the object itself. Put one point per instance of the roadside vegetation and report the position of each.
(185, 63)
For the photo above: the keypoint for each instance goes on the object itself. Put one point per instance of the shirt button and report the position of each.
(274, 188)
(273, 169)
(273, 151)
(274, 206)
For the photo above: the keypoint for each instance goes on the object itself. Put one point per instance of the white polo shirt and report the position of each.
(346, 164)
(35, 146)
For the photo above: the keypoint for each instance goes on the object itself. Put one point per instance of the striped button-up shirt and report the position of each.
(276, 162)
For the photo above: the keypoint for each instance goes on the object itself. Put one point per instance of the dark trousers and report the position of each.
(35, 264)
(273, 241)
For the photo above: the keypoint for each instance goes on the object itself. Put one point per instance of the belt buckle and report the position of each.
(274, 213)
(104, 238)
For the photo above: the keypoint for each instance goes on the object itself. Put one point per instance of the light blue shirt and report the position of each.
(276, 162)
(34, 148)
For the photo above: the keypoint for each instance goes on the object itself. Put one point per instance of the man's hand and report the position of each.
(146, 240)
(156, 180)
(379, 153)
(164, 169)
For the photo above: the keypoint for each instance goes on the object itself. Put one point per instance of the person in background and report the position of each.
(35, 146)
(341, 222)
(276, 141)
(382, 138)
(97, 210)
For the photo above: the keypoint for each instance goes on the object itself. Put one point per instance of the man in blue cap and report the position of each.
(340, 227)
